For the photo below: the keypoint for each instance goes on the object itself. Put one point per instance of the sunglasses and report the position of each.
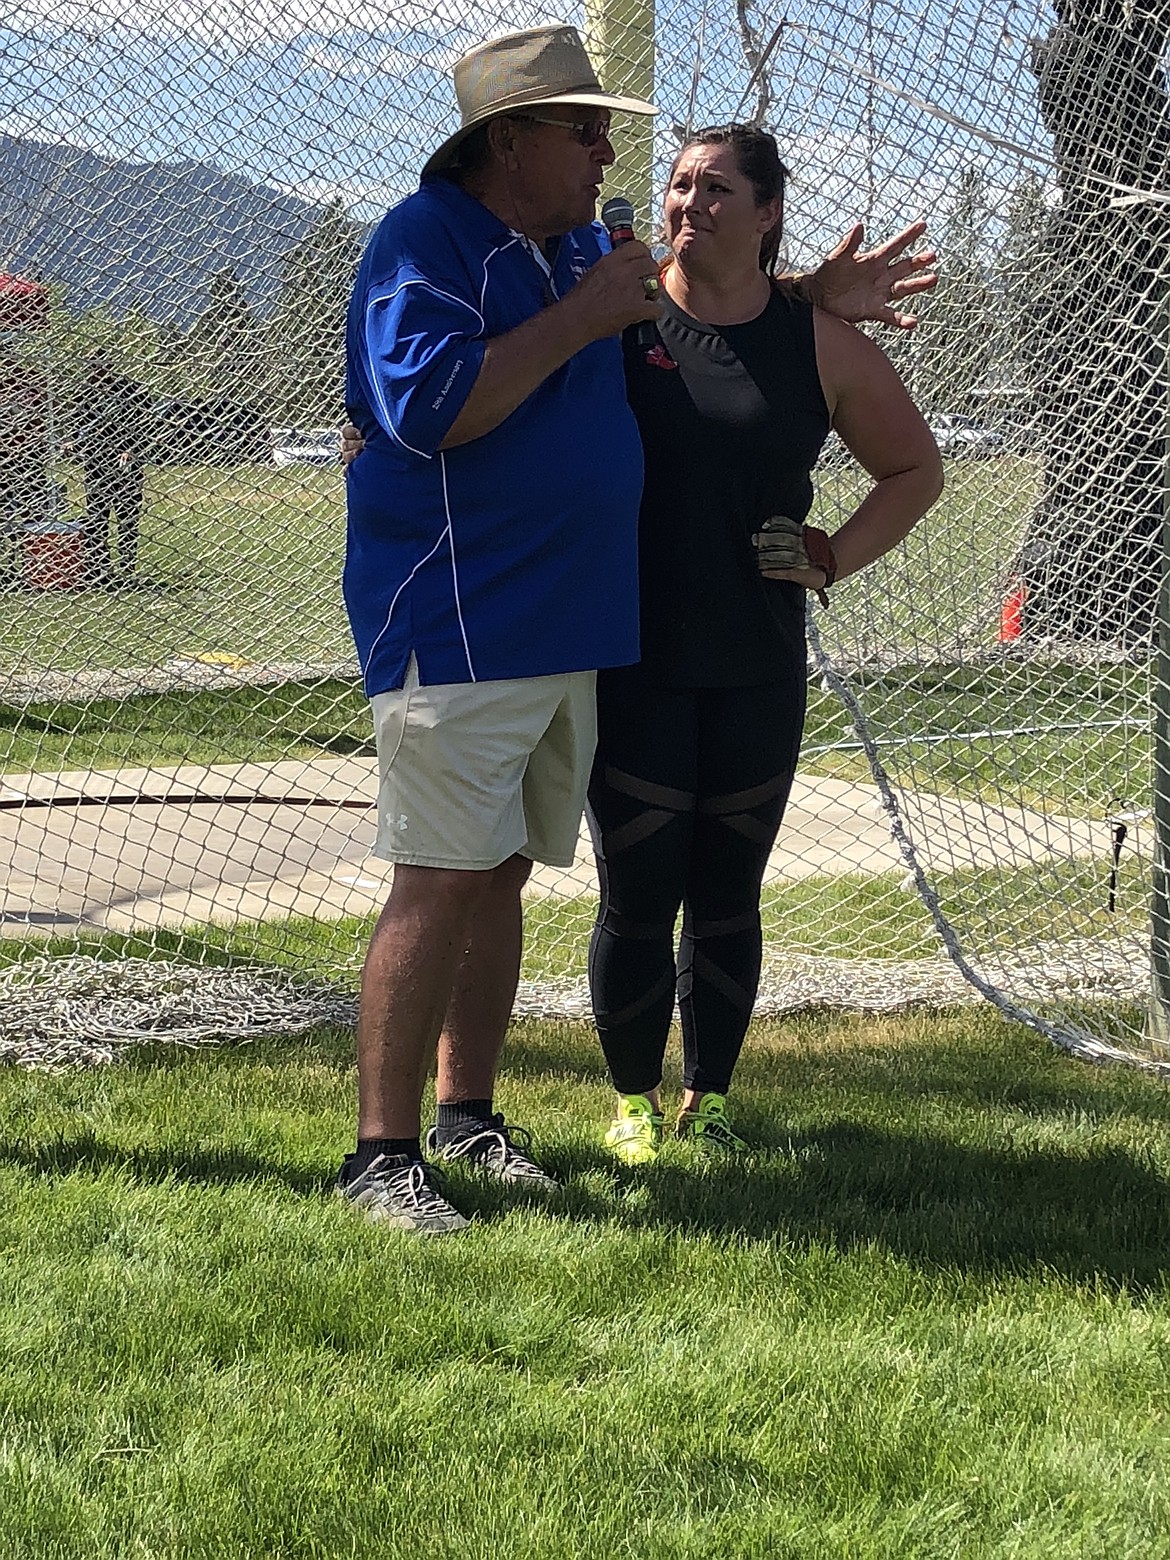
(588, 132)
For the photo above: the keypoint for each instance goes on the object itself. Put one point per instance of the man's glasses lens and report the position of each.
(591, 131)
(588, 131)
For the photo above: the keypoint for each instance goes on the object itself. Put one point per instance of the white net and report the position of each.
(187, 771)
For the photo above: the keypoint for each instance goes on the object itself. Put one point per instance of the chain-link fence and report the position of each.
(187, 766)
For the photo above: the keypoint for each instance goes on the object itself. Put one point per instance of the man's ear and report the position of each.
(502, 140)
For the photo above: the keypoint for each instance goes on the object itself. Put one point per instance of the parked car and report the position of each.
(957, 434)
(305, 447)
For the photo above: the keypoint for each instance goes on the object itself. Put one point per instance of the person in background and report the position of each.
(698, 742)
(113, 421)
(494, 478)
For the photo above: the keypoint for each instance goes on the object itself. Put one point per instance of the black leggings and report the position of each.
(688, 790)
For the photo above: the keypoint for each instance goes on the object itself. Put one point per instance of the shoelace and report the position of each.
(411, 1183)
(495, 1139)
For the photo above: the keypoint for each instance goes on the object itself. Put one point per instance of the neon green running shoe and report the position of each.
(635, 1133)
(708, 1127)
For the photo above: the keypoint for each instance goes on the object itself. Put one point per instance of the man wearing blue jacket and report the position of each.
(491, 570)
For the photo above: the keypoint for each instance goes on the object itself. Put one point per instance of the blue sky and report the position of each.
(325, 98)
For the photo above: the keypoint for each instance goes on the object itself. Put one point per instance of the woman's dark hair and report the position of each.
(758, 159)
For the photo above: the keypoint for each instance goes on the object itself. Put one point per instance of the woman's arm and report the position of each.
(887, 434)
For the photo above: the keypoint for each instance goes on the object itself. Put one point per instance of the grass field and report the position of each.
(848, 916)
(927, 1320)
(288, 720)
(945, 582)
(252, 556)
(844, 917)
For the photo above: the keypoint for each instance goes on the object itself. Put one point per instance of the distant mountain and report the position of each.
(142, 236)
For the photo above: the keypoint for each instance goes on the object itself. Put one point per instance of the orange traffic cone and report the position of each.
(1011, 615)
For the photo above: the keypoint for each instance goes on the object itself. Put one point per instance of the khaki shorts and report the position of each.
(472, 773)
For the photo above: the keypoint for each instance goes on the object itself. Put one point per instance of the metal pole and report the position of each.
(1158, 1020)
(619, 35)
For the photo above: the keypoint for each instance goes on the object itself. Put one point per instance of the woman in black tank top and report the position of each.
(697, 745)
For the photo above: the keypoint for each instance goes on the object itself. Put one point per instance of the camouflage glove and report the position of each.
(782, 543)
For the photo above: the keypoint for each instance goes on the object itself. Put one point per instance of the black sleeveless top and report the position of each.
(732, 419)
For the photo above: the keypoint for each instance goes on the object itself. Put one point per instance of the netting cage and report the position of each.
(186, 803)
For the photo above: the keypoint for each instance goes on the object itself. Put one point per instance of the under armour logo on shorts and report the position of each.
(402, 823)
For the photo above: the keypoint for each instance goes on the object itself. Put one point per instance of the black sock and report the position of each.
(369, 1149)
(453, 1120)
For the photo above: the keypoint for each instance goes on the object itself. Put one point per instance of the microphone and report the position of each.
(618, 216)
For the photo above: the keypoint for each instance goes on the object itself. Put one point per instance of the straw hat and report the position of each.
(520, 70)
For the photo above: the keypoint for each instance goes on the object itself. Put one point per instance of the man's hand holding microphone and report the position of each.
(622, 288)
(615, 292)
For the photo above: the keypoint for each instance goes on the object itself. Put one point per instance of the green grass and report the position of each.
(235, 725)
(855, 917)
(251, 560)
(946, 580)
(845, 917)
(1065, 739)
(930, 1320)
(253, 556)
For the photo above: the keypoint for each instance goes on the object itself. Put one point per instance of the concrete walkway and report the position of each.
(270, 840)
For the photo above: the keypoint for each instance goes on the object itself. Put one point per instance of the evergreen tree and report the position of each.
(172, 376)
(307, 328)
(1022, 276)
(951, 360)
(128, 343)
(225, 347)
(1022, 258)
(217, 382)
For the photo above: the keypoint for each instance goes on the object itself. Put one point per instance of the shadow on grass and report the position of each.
(331, 742)
(1013, 1069)
(1097, 1218)
(89, 1155)
(1101, 1217)
(846, 1160)
(984, 1157)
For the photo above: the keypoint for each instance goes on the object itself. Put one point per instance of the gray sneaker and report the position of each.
(489, 1147)
(401, 1193)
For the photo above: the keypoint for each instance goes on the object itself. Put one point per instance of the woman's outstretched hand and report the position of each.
(869, 285)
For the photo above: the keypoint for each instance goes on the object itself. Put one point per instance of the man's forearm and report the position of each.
(514, 364)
